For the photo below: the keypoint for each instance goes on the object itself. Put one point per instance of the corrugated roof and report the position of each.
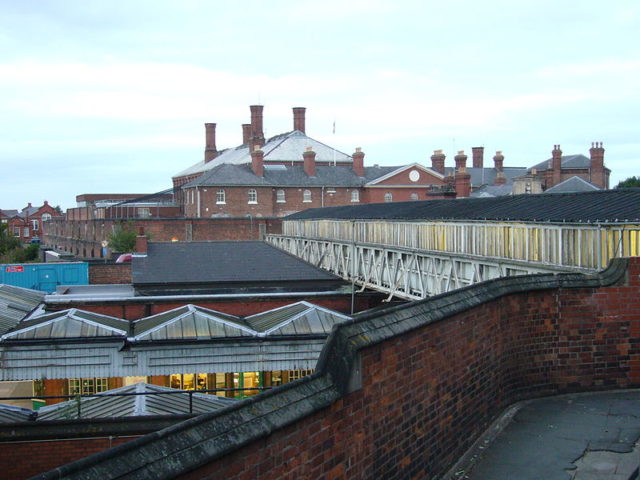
(296, 319)
(221, 263)
(108, 404)
(582, 207)
(287, 147)
(11, 414)
(15, 304)
(72, 323)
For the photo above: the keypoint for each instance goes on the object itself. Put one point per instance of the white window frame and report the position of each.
(252, 196)
(16, 231)
(306, 196)
(414, 196)
(25, 232)
(280, 196)
(388, 197)
(355, 196)
(35, 225)
(221, 197)
(46, 217)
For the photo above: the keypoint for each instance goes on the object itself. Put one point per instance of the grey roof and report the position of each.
(159, 402)
(493, 191)
(15, 304)
(567, 161)
(487, 176)
(286, 147)
(192, 322)
(240, 262)
(72, 323)
(573, 184)
(9, 213)
(288, 175)
(28, 211)
(620, 205)
(12, 414)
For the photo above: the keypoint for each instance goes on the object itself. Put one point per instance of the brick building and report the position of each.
(27, 224)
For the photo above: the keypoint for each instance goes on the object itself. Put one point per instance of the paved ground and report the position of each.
(568, 437)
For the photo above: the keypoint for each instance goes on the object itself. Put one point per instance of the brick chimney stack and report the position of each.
(246, 133)
(461, 161)
(462, 177)
(141, 241)
(210, 151)
(597, 176)
(257, 161)
(556, 166)
(257, 133)
(500, 178)
(437, 161)
(478, 157)
(299, 119)
(498, 161)
(358, 162)
(309, 157)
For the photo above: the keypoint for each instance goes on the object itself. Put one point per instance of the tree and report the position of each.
(629, 182)
(123, 239)
(7, 242)
(12, 251)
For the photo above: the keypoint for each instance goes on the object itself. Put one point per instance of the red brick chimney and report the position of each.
(309, 157)
(437, 161)
(257, 134)
(498, 161)
(597, 165)
(141, 241)
(358, 162)
(478, 157)
(210, 151)
(556, 165)
(500, 179)
(246, 133)
(462, 177)
(298, 119)
(257, 161)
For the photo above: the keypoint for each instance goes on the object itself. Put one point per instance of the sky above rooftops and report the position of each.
(112, 96)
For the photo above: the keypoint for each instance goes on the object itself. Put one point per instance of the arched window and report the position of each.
(280, 196)
(220, 196)
(46, 216)
(306, 196)
(414, 196)
(253, 196)
(355, 196)
(388, 197)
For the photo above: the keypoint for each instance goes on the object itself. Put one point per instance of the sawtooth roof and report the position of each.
(221, 263)
(289, 175)
(286, 147)
(135, 400)
(603, 206)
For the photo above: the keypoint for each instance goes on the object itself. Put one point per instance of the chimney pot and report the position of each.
(358, 162)
(437, 161)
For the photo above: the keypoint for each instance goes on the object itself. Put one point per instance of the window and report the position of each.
(306, 196)
(87, 386)
(220, 197)
(388, 197)
(25, 232)
(35, 225)
(144, 213)
(46, 217)
(16, 231)
(296, 374)
(189, 381)
(253, 196)
(355, 196)
(280, 196)
(414, 196)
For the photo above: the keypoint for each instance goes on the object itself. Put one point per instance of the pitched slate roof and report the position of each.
(9, 213)
(288, 175)
(108, 404)
(287, 147)
(15, 304)
(221, 263)
(72, 323)
(573, 184)
(583, 207)
(568, 161)
(487, 176)
(492, 191)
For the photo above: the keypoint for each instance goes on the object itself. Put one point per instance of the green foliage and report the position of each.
(7, 242)
(123, 239)
(58, 209)
(629, 182)
(12, 251)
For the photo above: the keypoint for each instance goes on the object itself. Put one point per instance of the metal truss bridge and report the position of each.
(407, 273)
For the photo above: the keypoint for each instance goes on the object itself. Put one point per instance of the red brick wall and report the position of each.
(109, 273)
(429, 393)
(23, 460)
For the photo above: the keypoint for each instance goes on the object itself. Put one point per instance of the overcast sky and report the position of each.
(111, 96)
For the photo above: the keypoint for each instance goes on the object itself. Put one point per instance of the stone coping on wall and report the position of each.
(195, 442)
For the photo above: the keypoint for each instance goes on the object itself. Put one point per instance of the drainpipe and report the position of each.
(322, 197)
(198, 202)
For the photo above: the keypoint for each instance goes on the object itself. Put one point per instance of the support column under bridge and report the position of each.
(407, 273)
